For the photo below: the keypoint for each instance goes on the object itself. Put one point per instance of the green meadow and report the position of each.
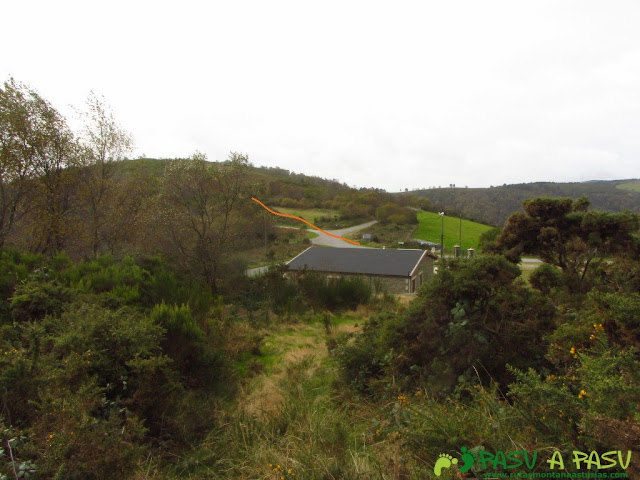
(632, 186)
(308, 214)
(431, 226)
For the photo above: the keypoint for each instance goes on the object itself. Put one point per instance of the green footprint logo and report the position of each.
(444, 461)
(468, 459)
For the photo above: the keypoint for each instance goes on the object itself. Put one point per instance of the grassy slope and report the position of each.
(430, 228)
(313, 216)
(632, 186)
(309, 215)
(288, 423)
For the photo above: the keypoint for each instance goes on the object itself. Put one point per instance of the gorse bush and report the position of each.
(569, 371)
(35, 298)
(177, 320)
(92, 374)
(458, 325)
(334, 293)
(288, 295)
(70, 381)
(15, 267)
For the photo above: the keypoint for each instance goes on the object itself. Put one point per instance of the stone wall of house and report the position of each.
(425, 268)
(381, 284)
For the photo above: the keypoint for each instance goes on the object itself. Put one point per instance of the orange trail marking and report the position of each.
(303, 220)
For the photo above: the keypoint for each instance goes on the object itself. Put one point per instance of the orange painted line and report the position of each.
(303, 220)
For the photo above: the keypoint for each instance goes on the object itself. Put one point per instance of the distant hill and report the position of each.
(278, 187)
(494, 205)
(273, 184)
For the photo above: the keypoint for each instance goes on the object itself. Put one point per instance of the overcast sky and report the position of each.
(394, 95)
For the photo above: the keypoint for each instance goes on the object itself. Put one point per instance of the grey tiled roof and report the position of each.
(368, 261)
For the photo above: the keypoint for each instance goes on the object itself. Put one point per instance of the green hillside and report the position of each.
(495, 204)
(431, 226)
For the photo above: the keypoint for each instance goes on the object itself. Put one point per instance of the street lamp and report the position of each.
(441, 234)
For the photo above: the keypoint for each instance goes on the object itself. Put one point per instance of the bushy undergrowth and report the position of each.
(481, 361)
(104, 364)
(295, 294)
(467, 325)
(98, 364)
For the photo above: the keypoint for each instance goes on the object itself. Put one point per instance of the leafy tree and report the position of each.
(564, 233)
(38, 153)
(394, 213)
(16, 154)
(488, 239)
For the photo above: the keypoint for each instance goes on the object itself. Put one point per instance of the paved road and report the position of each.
(323, 240)
(531, 260)
(327, 241)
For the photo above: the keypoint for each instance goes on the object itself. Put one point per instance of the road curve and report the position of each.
(328, 241)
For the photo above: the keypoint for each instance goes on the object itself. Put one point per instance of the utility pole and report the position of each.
(441, 234)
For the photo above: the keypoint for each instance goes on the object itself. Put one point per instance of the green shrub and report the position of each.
(474, 316)
(14, 269)
(334, 293)
(107, 278)
(192, 349)
(396, 214)
(177, 320)
(33, 299)
(545, 278)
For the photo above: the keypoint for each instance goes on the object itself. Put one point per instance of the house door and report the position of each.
(413, 285)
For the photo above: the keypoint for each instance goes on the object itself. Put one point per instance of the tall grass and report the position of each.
(309, 437)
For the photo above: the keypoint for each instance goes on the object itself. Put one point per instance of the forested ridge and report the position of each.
(494, 205)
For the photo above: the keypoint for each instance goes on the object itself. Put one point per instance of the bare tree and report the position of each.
(205, 212)
(104, 142)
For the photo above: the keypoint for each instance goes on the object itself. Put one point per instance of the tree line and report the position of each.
(62, 190)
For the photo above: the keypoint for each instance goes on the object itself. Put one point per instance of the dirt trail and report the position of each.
(285, 346)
